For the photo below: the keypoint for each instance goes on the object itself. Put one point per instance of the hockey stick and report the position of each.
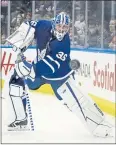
(29, 107)
(26, 96)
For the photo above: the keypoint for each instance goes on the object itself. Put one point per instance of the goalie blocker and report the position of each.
(85, 108)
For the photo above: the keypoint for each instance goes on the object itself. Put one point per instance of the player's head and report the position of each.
(112, 25)
(60, 25)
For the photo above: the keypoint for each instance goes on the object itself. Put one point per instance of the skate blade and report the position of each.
(112, 132)
(19, 128)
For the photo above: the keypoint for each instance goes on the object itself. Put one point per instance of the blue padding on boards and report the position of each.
(89, 49)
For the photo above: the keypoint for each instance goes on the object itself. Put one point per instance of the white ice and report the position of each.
(54, 123)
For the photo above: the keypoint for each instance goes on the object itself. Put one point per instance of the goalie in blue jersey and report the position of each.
(51, 66)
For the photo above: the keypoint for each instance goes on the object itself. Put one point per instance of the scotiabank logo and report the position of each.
(104, 78)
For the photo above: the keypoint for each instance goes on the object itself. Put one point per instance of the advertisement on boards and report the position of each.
(97, 73)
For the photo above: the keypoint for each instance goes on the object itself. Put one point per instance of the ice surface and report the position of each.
(54, 123)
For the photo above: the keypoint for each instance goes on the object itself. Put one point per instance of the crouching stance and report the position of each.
(52, 66)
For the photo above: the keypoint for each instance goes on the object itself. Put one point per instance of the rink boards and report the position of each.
(96, 74)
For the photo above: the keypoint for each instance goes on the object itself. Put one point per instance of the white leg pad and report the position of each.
(16, 92)
(84, 107)
(18, 108)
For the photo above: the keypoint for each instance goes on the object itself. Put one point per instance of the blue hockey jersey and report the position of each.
(55, 64)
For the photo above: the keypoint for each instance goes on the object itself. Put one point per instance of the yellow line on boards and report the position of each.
(105, 105)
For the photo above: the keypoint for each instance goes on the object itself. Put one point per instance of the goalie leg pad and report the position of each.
(16, 93)
(82, 105)
(16, 90)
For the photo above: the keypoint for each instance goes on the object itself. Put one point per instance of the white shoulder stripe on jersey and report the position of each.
(52, 68)
(58, 64)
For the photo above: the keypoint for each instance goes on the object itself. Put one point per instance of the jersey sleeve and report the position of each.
(52, 62)
(33, 24)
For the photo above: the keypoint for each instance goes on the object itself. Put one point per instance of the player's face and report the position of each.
(62, 28)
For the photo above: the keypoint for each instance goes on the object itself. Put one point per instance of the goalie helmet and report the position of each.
(60, 25)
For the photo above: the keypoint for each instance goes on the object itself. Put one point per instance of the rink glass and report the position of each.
(89, 19)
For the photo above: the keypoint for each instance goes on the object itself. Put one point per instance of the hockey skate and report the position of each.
(19, 125)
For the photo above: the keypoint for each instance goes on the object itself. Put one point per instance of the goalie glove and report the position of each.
(22, 37)
(24, 68)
